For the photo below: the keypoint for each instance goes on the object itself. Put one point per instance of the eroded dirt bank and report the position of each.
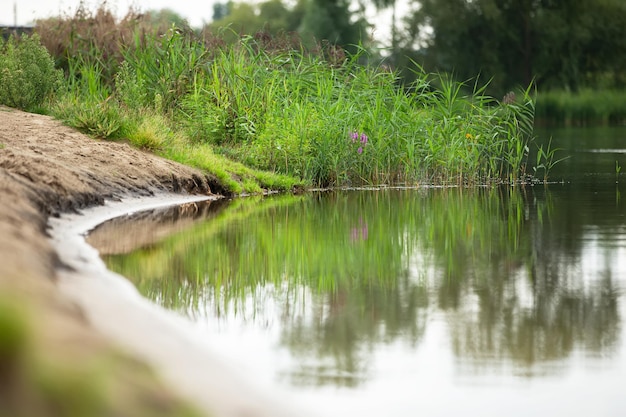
(47, 169)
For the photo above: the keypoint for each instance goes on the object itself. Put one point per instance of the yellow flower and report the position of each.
(469, 136)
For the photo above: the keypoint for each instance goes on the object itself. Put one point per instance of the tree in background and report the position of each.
(332, 21)
(166, 18)
(566, 44)
(314, 20)
(380, 5)
(221, 10)
(232, 19)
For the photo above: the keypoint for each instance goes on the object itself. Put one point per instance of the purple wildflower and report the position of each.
(360, 139)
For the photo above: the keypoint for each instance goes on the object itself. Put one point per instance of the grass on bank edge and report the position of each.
(284, 116)
(153, 132)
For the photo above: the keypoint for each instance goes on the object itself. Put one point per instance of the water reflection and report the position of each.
(333, 278)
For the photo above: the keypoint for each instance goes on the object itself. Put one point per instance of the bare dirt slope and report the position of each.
(45, 169)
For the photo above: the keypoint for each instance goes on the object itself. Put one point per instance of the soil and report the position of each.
(47, 169)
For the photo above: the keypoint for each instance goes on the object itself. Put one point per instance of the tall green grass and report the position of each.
(330, 124)
(306, 116)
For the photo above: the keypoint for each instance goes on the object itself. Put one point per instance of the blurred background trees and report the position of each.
(563, 45)
(558, 44)
(314, 20)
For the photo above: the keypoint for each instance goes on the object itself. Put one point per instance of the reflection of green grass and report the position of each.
(369, 267)
(359, 239)
(363, 257)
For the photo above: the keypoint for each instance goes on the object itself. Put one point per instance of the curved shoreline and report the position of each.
(73, 315)
(181, 356)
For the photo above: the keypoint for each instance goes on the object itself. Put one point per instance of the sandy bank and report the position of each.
(48, 170)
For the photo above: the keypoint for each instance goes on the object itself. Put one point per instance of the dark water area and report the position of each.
(431, 301)
(592, 154)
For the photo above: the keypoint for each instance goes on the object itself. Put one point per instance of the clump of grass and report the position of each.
(294, 113)
(151, 131)
(235, 177)
(546, 159)
(27, 73)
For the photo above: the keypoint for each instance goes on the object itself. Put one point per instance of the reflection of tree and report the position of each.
(347, 324)
(500, 325)
(537, 307)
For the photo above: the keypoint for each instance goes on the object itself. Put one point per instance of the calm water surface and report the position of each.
(435, 302)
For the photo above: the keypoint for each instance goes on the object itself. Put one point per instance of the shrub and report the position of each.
(27, 73)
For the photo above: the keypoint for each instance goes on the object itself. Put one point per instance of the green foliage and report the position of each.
(295, 113)
(564, 44)
(313, 20)
(99, 119)
(131, 90)
(97, 36)
(546, 159)
(242, 18)
(315, 116)
(166, 18)
(27, 73)
(150, 131)
(234, 177)
(331, 21)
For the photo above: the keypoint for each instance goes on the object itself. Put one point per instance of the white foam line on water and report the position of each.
(600, 150)
(181, 355)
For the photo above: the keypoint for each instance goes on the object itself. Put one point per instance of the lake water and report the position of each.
(437, 302)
